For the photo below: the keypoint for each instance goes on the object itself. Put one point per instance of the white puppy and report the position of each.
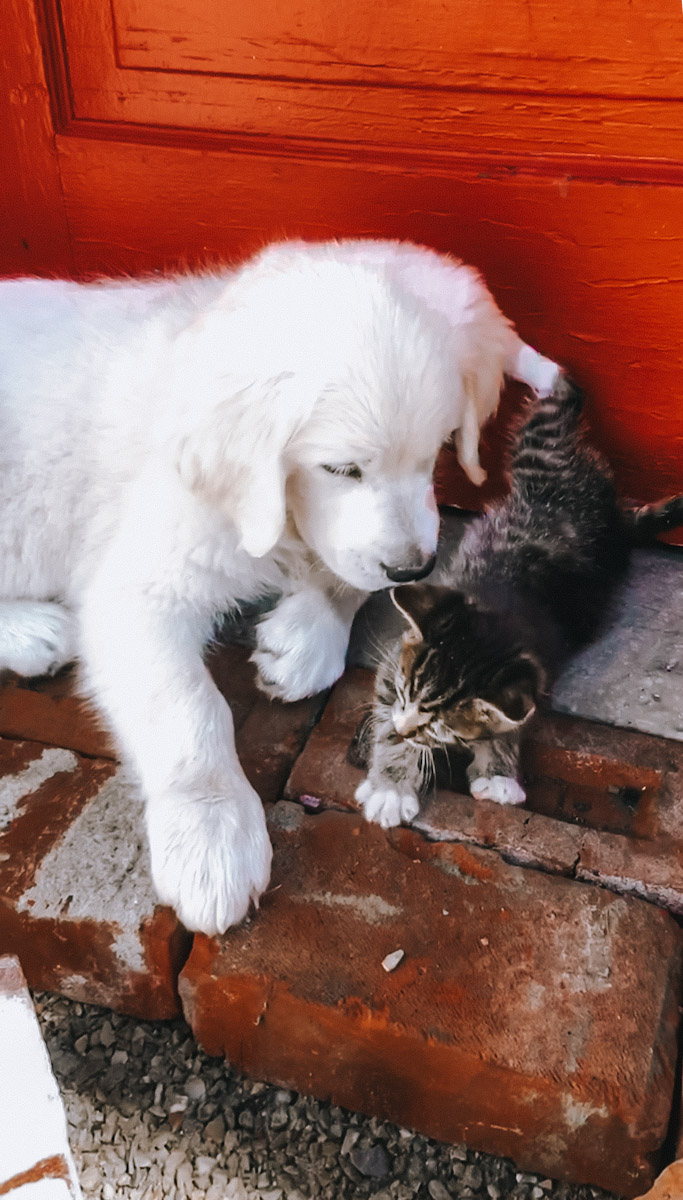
(169, 448)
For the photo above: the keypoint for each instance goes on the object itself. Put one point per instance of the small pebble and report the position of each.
(107, 1035)
(392, 960)
(350, 1138)
(215, 1129)
(374, 1161)
(279, 1118)
(195, 1088)
(437, 1190)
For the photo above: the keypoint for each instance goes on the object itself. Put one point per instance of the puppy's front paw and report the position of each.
(386, 806)
(300, 647)
(500, 788)
(36, 637)
(210, 854)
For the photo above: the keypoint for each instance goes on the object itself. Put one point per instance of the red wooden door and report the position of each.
(540, 141)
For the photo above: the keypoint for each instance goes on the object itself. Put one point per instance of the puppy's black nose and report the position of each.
(410, 572)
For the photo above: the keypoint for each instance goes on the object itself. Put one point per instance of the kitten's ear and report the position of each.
(516, 693)
(416, 602)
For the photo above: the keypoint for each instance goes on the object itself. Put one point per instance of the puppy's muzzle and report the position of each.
(410, 572)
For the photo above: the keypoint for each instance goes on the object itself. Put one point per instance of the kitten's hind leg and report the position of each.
(528, 366)
(36, 637)
(492, 774)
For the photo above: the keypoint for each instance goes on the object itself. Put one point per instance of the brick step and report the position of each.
(76, 899)
(529, 1015)
(77, 904)
(604, 805)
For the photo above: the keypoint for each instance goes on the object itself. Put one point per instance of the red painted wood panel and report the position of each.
(33, 231)
(598, 47)
(589, 271)
(529, 77)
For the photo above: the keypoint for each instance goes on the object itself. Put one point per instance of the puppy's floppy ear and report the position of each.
(234, 460)
(467, 436)
(481, 340)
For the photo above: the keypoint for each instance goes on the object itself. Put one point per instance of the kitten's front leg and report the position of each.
(492, 774)
(390, 794)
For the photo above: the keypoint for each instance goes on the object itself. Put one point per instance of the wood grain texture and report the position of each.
(33, 230)
(624, 50)
(589, 271)
(596, 79)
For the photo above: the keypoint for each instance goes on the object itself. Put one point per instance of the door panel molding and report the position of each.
(633, 136)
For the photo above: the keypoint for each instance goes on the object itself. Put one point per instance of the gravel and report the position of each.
(151, 1117)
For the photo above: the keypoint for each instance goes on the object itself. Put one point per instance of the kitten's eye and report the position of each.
(348, 470)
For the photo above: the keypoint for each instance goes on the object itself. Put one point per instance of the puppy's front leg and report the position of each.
(209, 846)
(301, 645)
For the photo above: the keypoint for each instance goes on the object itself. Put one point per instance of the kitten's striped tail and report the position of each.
(546, 441)
(644, 523)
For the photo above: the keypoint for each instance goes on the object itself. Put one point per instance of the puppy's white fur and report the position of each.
(163, 447)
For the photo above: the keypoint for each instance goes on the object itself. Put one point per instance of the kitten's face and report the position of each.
(458, 678)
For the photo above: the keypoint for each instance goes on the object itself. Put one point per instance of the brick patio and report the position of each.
(532, 1013)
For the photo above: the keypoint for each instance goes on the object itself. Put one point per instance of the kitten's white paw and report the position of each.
(386, 806)
(500, 788)
(36, 637)
(210, 854)
(300, 647)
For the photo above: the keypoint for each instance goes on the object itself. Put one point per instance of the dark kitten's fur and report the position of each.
(534, 577)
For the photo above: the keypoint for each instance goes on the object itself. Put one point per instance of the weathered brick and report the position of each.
(52, 712)
(604, 805)
(34, 1149)
(530, 1015)
(76, 900)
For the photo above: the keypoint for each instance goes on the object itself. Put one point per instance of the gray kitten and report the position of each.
(531, 582)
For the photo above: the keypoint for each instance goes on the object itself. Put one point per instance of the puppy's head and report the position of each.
(350, 386)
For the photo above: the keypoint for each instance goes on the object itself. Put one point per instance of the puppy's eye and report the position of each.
(348, 470)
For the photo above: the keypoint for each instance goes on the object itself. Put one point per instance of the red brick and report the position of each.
(76, 901)
(531, 1015)
(575, 821)
(51, 711)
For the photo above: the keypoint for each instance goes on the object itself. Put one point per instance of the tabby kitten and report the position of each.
(529, 584)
